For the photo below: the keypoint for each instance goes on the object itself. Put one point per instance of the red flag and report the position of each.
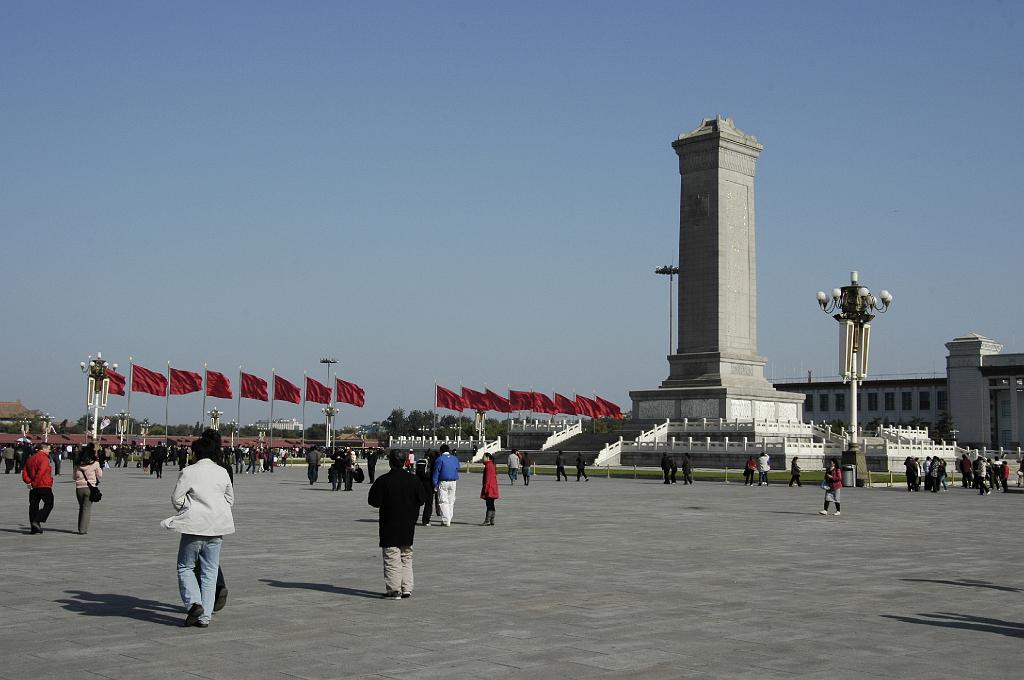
(448, 399)
(218, 385)
(542, 403)
(499, 403)
(587, 407)
(350, 393)
(317, 392)
(185, 382)
(521, 401)
(286, 391)
(254, 387)
(565, 405)
(609, 408)
(474, 400)
(116, 382)
(150, 382)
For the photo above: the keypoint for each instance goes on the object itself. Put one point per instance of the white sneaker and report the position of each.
(837, 513)
(822, 512)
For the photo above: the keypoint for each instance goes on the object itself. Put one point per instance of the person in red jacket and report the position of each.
(833, 484)
(1004, 476)
(489, 492)
(37, 475)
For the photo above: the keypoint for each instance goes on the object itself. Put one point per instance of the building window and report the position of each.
(872, 401)
(890, 401)
(822, 402)
(943, 403)
(924, 401)
(809, 403)
(840, 402)
(906, 401)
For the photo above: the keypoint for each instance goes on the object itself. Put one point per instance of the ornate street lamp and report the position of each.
(122, 425)
(669, 270)
(329, 413)
(98, 387)
(261, 432)
(144, 429)
(215, 414)
(25, 424)
(47, 422)
(854, 307)
(234, 430)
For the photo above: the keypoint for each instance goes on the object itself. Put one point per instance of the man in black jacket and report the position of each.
(398, 496)
(560, 468)
(425, 473)
(313, 464)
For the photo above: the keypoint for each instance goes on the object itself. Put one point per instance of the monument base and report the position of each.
(726, 402)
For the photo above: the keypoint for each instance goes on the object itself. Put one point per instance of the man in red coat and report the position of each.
(37, 475)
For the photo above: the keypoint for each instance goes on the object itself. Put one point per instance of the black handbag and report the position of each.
(95, 495)
(358, 475)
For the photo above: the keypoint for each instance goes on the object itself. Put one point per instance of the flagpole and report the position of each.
(273, 395)
(238, 406)
(206, 382)
(167, 407)
(131, 374)
(434, 428)
(305, 388)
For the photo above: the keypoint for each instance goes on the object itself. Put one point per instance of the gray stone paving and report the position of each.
(608, 579)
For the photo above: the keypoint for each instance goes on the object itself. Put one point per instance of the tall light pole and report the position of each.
(329, 412)
(669, 270)
(854, 306)
(98, 387)
(215, 414)
(25, 424)
(144, 429)
(234, 430)
(329, 422)
(47, 422)
(122, 426)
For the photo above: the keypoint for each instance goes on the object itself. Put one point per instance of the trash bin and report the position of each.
(849, 476)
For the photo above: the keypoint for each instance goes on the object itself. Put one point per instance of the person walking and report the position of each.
(833, 484)
(581, 467)
(371, 462)
(36, 473)
(560, 467)
(87, 474)
(8, 459)
(334, 474)
(445, 477)
(425, 475)
(203, 497)
(398, 496)
(666, 466)
(687, 468)
(966, 472)
(513, 466)
(794, 472)
(313, 465)
(748, 470)
(527, 467)
(1004, 476)
(489, 491)
(348, 468)
(911, 471)
(56, 456)
(979, 476)
(763, 467)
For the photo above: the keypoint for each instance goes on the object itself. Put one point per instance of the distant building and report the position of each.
(981, 394)
(280, 425)
(14, 410)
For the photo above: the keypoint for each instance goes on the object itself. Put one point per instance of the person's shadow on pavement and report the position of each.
(323, 587)
(115, 604)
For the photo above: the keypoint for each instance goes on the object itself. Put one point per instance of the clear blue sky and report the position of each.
(478, 193)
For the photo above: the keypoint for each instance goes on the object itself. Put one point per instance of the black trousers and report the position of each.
(560, 473)
(580, 472)
(8, 465)
(489, 503)
(795, 477)
(428, 505)
(347, 476)
(369, 469)
(37, 515)
(687, 477)
(665, 472)
(313, 472)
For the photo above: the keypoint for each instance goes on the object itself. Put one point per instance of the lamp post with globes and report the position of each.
(854, 307)
(122, 426)
(25, 425)
(98, 387)
(215, 414)
(144, 429)
(47, 422)
(329, 413)
(234, 430)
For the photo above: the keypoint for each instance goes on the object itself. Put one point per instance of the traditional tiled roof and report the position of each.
(13, 409)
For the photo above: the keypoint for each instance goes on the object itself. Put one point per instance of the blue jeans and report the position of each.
(512, 473)
(205, 550)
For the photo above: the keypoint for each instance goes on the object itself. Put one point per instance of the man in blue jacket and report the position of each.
(446, 473)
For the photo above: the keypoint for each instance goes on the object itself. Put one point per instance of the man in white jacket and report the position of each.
(203, 498)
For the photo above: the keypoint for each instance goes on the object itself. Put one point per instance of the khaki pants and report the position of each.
(398, 569)
(446, 501)
(84, 509)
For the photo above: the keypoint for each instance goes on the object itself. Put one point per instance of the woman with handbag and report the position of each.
(489, 492)
(832, 484)
(87, 476)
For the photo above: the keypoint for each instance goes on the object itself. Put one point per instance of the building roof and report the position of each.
(13, 409)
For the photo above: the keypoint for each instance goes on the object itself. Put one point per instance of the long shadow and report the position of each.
(964, 622)
(322, 587)
(126, 606)
(966, 583)
(45, 531)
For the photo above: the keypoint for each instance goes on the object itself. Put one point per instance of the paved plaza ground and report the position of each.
(609, 579)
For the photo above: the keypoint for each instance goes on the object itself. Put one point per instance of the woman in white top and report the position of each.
(203, 498)
(87, 471)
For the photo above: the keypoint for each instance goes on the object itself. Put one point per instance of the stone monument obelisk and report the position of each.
(716, 371)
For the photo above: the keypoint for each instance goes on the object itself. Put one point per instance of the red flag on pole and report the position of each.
(609, 408)
(587, 407)
(185, 382)
(350, 393)
(499, 403)
(446, 398)
(150, 382)
(116, 382)
(565, 405)
(542, 403)
(317, 392)
(254, 387)
(286, 391)
(520, 401)
(477, 401)
(218, 385)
